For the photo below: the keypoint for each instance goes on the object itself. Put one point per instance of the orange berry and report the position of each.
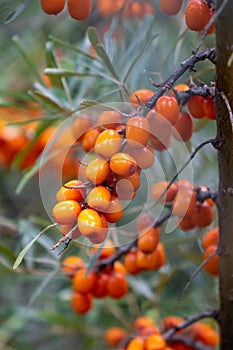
(158, 188)
(181, 87)
(168, 107)
(79, 9)
(114, 336)
(148, 240)
(163, 142)
(114, 212)
(143, 156)
(130, 262)
(71, 264)
(186, 223)
(137, 132)
(80, 126)
(197, 15)
(172, 321)
(210, 238)
(83, 281)
(160, 256)
(97, 171)
(195, 106)
(143, 322)
(117, 285)
(208, 108)
(202, 215)
(137, 343)
(123, 164)
(212, 266)
(100, 289)
(145, 332)
(107, 250)
(52, 7)
(71, 190)
(146, 261)
(184, 202)
(90, 224)
(81, 303)
(183, 128)
(155, 342)
(66, 212)
(108, 120)
(89, 139)
(141, 95)
(72, 229)
(205, 334)
(170, 7)
(128, 183)
(108, 143)
(99, 198)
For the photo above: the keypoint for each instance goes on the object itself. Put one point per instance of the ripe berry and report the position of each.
(97, 171)
(155, 342)
(186, 223)
(141, 96)
(108, 120)
(100, 289)
(52, 7)
(90, 224)
(81, 303)
(137, 132)
(204, 333)
(83, 281)
(202, 215)
(80, 126)
(212, 266)
(99, 198)
(71, 264)
(168, 107)
(163, 142)
(89, 138)
(184, 202)
(208, 108)
(197, 15)
(71, 190)
(210, 238)
(143, 156)
(117, 285)
(108, 143)
(143, 322)
(158, 189)
(170, 7)
(161, 256)
(66, 212)
(79, 9)
(183, 128)
(114, 336)
(114, 212)
(72, 229)
(148, 240)
(123, 164)
(172, 321)
(195, 106)
(146, 261)
(136, 343)
(130, 262)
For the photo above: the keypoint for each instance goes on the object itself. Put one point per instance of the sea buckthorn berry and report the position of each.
(143, 322)
(100, 289)
(212, 265)
(195, 106)
(137, 132)
(108, 120)
(172, 321)
(81, 303)
(114, 212)
(107, 250)
(123, 164)
(130, 262)
(141, 96)
(158, 189)
(182, 183)
(168, 107)
(145, 332)
(138, 343)
(163, 142)
(108, 143)
(73, 189)
(160, 256)
(128, 183)
(144, 221)
(72, 229)
(97, 171)
(205, 334)
(89, 139)
(208, 108)
(155, 342)
(118, 267)
(71, 264)
(181, 87)
(80, 126)
(183, 128)
(99, 198)
(90, 224)
(117, 285)
(197, 15)
(186, 223)
(143, 156)
(52, 7)
(146, 261)
(83, 281)
(210, 238)
(202, 215)
(114, 336)
(66, 212)
(148, 240)
(184, 202)
(79, 9)
(170, 7)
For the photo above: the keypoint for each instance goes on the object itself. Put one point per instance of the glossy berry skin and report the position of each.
(168, 107)
(108, 120)
(148, 240)
(71, 190)
(210, 238)
(81, 303)
(138, 343)
(143, 156)
(141, 96)
(195, 106)
(97, 171)
(71, 264)
(99, 198)
(183, 128)
(91, 225)
(159, 188)
(66, 212)
(155, 342)
(100, 289)
(52, 7)
(197, 15)
(89, 138)
(137, 132)
(212, 266)
(108, 143)
(184, 202)
(205, 334)
(123, 164)
(83, 282)
(79, 9)
(170, 7)
(114, 336)
(114, 211)
(208, 108)
(202, 215)
(130, 262)
(117, 285)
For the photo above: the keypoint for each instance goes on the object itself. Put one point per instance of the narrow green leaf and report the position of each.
(29, 245)
(60, 72)
(7, 252)
(51, 62)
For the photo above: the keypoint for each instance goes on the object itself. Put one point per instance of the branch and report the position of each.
(192, 343)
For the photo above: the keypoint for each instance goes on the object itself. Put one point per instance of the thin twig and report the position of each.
(227, 103)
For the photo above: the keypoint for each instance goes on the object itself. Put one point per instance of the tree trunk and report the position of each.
(224, 106)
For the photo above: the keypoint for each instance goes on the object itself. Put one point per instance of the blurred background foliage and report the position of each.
(35, 308)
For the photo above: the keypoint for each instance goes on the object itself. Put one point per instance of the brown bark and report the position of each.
(224, 103)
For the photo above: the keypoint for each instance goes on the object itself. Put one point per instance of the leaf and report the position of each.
(11, 9)
(60, 72)
(51, 62)
(93, 37)
(29, 245)
(142, 287)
